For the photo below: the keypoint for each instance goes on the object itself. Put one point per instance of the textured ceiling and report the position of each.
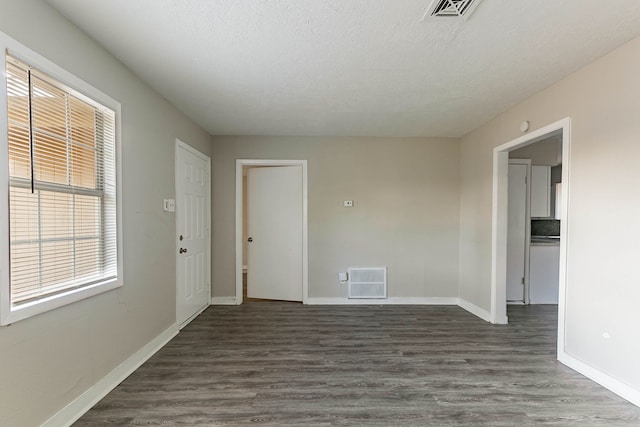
(350, 67)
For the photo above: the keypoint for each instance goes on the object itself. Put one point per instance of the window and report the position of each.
(62, 204)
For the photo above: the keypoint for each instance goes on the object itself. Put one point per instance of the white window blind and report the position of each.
(62, 187)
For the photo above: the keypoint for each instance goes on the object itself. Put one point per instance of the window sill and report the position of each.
(13, 314)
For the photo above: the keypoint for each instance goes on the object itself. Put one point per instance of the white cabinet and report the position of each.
(544, 274)
(540, 191)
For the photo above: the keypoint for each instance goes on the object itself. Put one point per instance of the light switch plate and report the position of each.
(348, 203)
(169, 205)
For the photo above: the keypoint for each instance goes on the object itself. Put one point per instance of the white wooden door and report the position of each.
(516, 234)
(192, 227)
(274, 221)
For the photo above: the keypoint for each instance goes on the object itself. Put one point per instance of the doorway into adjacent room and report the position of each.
(526, 227)
(271, 230)
(533, 236)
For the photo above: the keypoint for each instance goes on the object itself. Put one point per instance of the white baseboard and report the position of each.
(388, 301)
(475, 310)
(471, 308)
(79, 406)
(616, 386)
(223, 301)
(193, 316)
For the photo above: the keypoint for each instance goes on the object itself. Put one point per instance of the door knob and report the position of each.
(183, 251)
(250, 239)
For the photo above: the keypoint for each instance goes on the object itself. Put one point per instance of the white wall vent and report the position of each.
(367, 282)
(451, 8)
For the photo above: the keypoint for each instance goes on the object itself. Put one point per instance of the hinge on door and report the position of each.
(523, 280)
(525, 179)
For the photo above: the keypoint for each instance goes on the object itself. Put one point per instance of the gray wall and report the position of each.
(602, 287)
(48, 360)
(547, 152)
(405, 213)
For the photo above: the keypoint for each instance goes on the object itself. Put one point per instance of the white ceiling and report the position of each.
(350, 67)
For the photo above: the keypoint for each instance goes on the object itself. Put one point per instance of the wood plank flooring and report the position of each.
(280, 363)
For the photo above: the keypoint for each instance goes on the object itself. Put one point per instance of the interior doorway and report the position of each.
(533, 237)
(501, 214)
(274, 256)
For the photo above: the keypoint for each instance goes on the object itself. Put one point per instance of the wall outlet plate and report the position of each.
(348, 203)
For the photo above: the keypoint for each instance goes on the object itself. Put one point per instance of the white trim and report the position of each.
(181, 144)
(616, 386)
(223, 301)
(193, 316)
(464, 304)
(499, 229)
(388, 301)
(10, 314)
(4, 190)
(475, 310)
(14, 314)
(80, 405)
(499, 222)
(239, 207)
(564, 233)
(33, 58)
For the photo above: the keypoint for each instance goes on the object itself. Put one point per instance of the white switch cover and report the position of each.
(169, 205)
(342, 277)
(348, 203)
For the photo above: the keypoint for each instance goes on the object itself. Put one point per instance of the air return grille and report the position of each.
(451, 8)
(368, 282)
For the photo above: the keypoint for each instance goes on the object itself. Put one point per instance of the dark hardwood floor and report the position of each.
(279, 363)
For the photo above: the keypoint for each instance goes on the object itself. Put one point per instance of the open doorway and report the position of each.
(271, 230)
(501, 214)
(533, 236)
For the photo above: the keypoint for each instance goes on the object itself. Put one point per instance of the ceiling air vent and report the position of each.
(451, 8)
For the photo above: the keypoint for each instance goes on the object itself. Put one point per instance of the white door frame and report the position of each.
(240, 163)
(500, 215)
(185, 146)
